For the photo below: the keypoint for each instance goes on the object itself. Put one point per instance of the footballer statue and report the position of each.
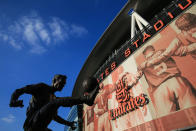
(44, 104)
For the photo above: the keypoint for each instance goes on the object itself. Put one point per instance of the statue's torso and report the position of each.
(42, 97)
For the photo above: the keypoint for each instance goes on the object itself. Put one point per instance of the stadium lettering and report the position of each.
(170, 15)
(107, 71)
(185, 6)
(135, 43)
(146, 36)
(113, 66)
(157, 26)
(127, 52)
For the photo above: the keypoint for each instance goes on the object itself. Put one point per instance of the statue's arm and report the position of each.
(29, 89)
(60, 120)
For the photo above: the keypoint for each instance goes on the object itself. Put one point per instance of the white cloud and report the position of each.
(35, 34)
(59, 29)
(30, 35)
(38, 49)
(78, 31)
(4, 37)
(43, 33)
(9, 119)
(14, 44)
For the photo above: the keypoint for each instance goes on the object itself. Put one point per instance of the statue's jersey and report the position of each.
(158, 73)
(41, 95)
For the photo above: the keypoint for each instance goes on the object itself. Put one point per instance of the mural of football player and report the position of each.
(125, 87)
(134, 88)
(185, 42)
(187, 38)
(101, 108)
(170, 90)
(90, 118)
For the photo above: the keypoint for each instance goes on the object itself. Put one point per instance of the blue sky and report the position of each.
(40, 38)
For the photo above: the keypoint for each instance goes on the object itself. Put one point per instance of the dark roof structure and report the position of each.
(115, 35)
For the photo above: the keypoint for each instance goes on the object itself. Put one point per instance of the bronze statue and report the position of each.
(44, 104)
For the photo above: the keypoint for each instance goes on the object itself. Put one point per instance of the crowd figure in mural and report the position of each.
(185, 42)
(101, 109)
(89, 118)
(171, 91)
(44, 104)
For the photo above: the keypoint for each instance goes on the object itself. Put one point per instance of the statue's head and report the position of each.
(59, 82)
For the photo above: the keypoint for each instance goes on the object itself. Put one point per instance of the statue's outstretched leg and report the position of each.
(70, 101)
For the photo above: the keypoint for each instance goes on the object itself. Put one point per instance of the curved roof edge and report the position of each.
(116, 33)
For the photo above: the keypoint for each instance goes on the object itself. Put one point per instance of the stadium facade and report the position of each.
(145, 63)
